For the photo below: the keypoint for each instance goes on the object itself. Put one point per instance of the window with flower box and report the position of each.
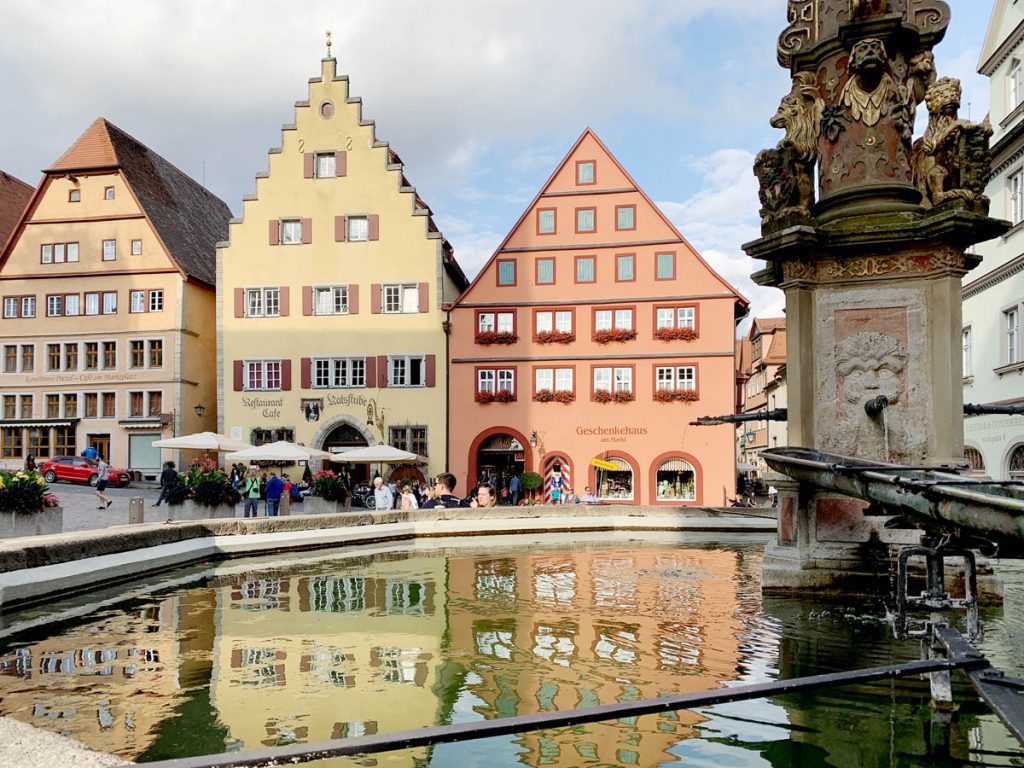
(613, 384)
(554, 385)
(553, 326)
(675, 383)
(614, 324)
(673, 323)
(495, 385)
(496, 328)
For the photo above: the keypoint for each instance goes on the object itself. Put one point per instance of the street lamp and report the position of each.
(200, 409)
(534, 439)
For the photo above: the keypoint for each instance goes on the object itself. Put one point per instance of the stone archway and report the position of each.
(360, 427)
(346, 432)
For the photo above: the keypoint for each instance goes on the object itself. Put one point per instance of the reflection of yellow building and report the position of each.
(107, 291)
(331, 293)
(664, 623)
(359, 652)
(109, 683)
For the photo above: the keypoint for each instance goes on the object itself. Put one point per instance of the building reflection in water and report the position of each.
(321, 649)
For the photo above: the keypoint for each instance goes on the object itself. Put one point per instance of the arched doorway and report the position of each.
(975, 459)
(498, 457)
(1015, 464)
(556, 464)
(346, 436)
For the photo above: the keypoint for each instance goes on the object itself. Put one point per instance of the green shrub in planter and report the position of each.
(24, 492)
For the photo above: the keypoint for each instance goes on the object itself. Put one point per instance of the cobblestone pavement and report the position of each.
(80, 506)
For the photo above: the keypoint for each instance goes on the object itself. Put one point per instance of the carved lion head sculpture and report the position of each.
(799, 114)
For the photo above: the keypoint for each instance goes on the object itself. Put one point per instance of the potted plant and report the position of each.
(609, 335)
(202, 493)
(328, 494)
(531, 482)
(676, 396)
(676, 334)
(549, 396)
(496, 337)
(501, 396)
(27, 508)
(555, 337)
(621, 396)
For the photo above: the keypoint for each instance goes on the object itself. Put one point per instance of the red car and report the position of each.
(76, 469)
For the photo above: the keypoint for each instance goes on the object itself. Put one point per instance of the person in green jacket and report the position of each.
(251, 493)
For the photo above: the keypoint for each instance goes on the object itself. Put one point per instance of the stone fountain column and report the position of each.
(866, 231)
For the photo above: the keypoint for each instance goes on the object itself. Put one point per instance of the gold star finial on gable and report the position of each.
(328, 44)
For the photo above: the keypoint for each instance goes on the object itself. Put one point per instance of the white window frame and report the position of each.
(263, 301)
(544, 378)
(606, 319)
(325, 165)
(137, 301)
(1015, 192)
(109, 250)
(968, 357)
(55, 306)
(395, 300)
(136, 247)
(11, 306)
(338, 372)
(336, 299)
(291, 232)
(357, 229)
(93, 302)
(1015, 85)
(1011, 335)
(156, 300)
(485, 380)
(109, 302)
(72, 305)
(613, 379)
(400, 371)
(485, 322)
(28, 306)
(71, 252)
(262, 371)
(564, 379)
(676, 377)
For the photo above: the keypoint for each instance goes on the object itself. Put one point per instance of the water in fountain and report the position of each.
(885, 430)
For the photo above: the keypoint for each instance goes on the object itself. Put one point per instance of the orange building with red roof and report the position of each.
(107, 287)
(595, 331)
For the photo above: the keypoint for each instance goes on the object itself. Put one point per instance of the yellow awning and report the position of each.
(602, 464)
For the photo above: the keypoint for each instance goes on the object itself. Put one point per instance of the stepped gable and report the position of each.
(14, 197)
(620, 181)
(189, 219)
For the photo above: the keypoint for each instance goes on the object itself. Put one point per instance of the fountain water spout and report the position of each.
(876, 406)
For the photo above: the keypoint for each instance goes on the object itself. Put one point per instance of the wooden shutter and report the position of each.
(284, 304)
(275, 231)
(239, 366)
(373, 225)
(382, 370)
(306, 372)
(375, 298)
(307, 230)
(286, 375)
(353, 299)
(339, 229)
(340, 163)
(239, 302)
(307, 165)
(307, 300)
(431, 372)
(371, 371)
(424, 297)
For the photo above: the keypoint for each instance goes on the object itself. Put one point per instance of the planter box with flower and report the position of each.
(27, 508)
(202, 493)
(622, 396)
(676, 396)
(561, 396)
(555, 337)
(328, 494)
(496, 337)
(503, 396)
(614, 334)
(675, 334)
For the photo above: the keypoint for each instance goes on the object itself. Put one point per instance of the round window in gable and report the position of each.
(327, 110)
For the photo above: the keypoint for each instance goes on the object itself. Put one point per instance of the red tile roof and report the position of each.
(14, 196)
(190, 219)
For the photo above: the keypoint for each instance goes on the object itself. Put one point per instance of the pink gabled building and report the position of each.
(595, 331)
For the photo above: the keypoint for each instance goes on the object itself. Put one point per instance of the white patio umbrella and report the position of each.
(282, 450)
(374, 454)
(202, 441)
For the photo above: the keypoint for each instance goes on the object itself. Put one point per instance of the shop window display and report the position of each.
(676, 481)
(616, 484)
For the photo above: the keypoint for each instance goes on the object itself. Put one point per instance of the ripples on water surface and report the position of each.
(269, 652)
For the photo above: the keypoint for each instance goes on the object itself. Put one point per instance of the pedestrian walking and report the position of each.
(30, 463)
(382, 496)
(102, 478)
(275, 487)
(168, 477)
(90, 453)
(251, 494)
(515, 489)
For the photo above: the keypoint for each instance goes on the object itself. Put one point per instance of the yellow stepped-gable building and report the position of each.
(106, 284)
(331, 291)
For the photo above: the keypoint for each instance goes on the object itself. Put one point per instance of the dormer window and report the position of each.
(74, 195)
(108, 193)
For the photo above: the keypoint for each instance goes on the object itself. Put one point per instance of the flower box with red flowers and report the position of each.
(496, 337)
(555, 337)
(503, 396)
(547, 396)
(676, 396)
(675, 334)
(614, 334)
(622, 396)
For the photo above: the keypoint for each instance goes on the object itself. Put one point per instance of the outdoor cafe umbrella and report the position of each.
(210, 442)
(375, 454)
(282, 450)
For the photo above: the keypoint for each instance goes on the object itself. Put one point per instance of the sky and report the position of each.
(480, 98)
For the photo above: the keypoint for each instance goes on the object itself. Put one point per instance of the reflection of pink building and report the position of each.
(595, 331)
